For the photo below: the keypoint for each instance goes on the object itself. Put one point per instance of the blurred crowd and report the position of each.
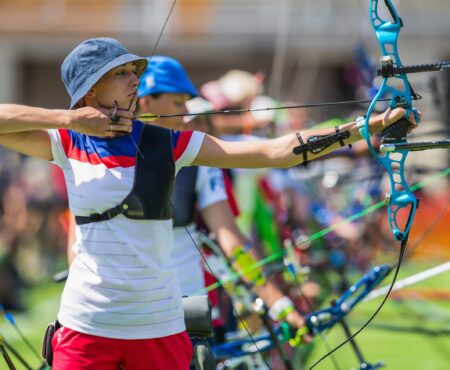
(33, 230)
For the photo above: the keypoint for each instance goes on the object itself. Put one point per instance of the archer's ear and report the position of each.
(90, 98)
(90, 93)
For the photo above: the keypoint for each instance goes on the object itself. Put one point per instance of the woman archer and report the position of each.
(121, 303)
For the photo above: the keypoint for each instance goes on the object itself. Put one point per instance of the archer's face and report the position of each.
(166, 104)
(119, 85)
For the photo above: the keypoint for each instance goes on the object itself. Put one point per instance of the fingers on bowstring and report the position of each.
(115, 114)
(118, 129)
(122, 124)
(110, 131)
(126, 114)
(105, 111)
(123, 128)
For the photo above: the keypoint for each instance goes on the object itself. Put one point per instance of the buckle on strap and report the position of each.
(113, 212)
(97, 217)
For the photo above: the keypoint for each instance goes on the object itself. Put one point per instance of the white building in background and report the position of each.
(301, 45)
(208, 36)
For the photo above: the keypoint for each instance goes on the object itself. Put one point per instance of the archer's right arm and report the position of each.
(23, 128)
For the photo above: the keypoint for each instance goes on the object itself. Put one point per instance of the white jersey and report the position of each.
(210, 189)
(121, 283)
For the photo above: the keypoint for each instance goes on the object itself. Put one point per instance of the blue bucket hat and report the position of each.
(92, 59)
(165, 75)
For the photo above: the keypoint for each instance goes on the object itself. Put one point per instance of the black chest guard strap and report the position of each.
(185, 196)
(154, 177)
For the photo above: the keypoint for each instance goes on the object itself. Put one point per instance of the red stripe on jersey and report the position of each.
(118, 161)
(93, 158)
(213, 296)
(66, 141)
(230, 194)
(181, 144)
(108, 162)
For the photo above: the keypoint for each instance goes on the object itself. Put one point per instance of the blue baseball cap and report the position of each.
(92, 59)
(165, 75)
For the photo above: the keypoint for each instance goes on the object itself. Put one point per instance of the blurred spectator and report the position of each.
(233, 91)
(31, 218)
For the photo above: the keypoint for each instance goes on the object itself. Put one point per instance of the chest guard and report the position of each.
(154, 176)
(185, 196)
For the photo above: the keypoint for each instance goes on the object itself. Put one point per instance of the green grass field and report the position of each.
(406, 335)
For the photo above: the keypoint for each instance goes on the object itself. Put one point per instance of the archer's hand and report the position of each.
(391, 116)
(296, 320)
(98, 122)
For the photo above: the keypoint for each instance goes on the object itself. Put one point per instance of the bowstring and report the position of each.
(311, 309)
(394, 279)
(403, 257)
(154, 50)
(417, 243)
(150, 168)
(172, 205)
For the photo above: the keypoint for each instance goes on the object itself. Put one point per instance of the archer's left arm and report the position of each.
(220, 220)
(279, 152)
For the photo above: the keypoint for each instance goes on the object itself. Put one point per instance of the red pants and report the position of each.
(77, 351)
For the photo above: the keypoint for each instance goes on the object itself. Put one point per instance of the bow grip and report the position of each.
(395, 133)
